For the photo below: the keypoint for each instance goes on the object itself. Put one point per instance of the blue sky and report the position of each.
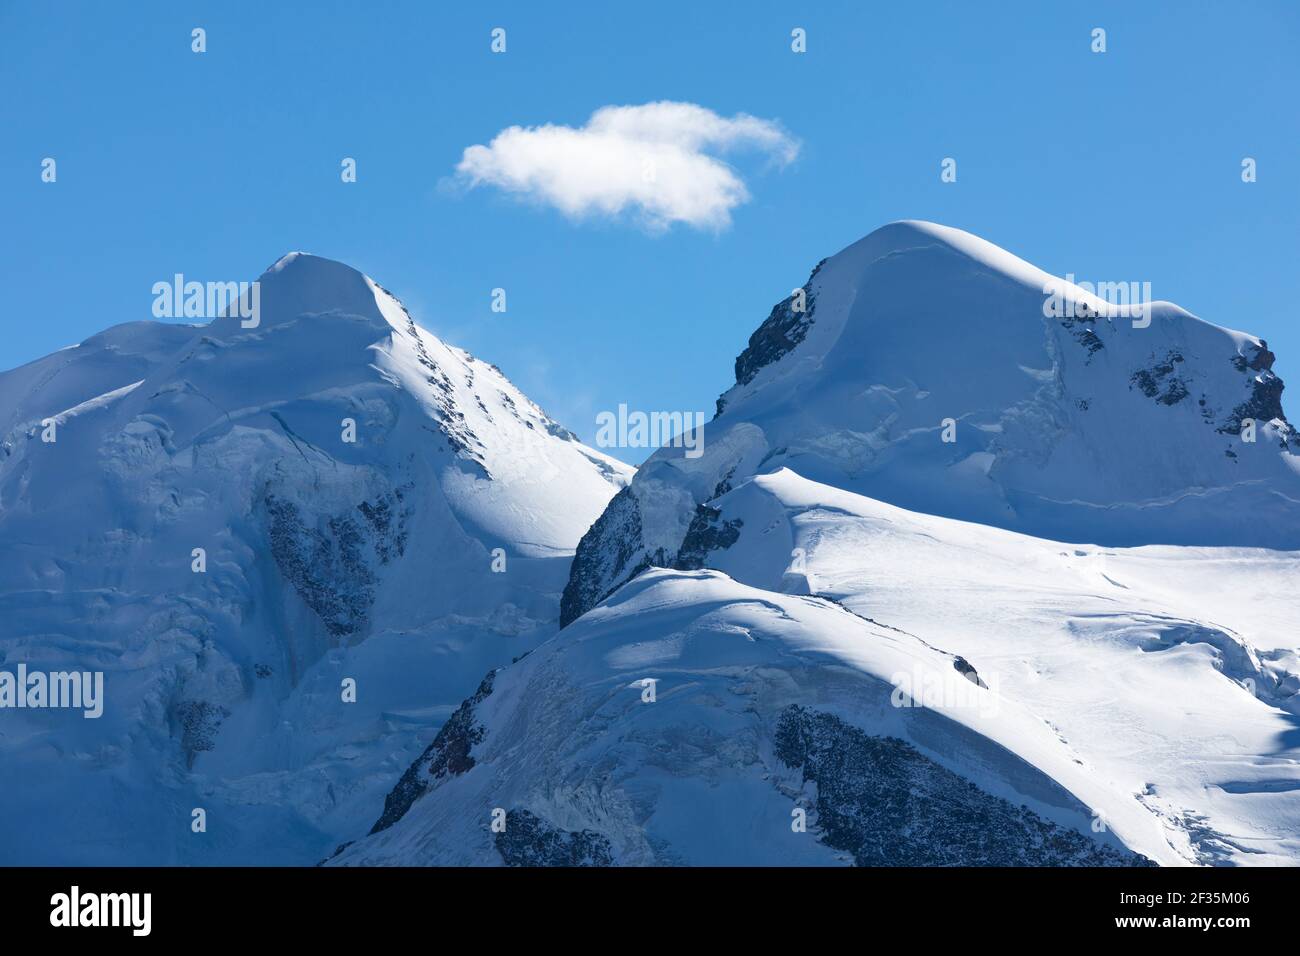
(1116, 166)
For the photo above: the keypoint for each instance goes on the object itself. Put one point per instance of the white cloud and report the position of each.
(658, 161)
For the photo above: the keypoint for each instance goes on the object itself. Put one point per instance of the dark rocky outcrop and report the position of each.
(724, 485)
(968, 671)
(780, 332)
(1264, 403)
(450, 420)
(324, 565)
(199, 722)
(706, 533)
(1082, 326)
(881, 800)
(528, 840)
(389, 527)
(609, 546)
(448, 755)
(1260, 359)
(330, 559)
(1159, 381)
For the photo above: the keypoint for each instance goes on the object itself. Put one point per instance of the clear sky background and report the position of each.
(1117, 166)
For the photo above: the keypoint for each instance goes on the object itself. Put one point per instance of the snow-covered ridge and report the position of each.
(892, 676)
(1171, 675)
(926, 371)
(567, 741)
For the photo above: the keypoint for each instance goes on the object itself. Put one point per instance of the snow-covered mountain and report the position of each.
(926, 690)
(850, 631)
(764, 704)
(838, 637)
(1087, 430)
(370, 504)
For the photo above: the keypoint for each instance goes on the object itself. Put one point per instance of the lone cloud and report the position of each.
(658, 161)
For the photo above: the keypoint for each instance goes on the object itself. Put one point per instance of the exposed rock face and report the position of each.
(528, 840)
(199, 721)
(612, 541)
(1261, 359)
(450, 419)
(967, 670)
(1081, 327)
(783, 329)
(330, 560)
(1159, 381)
(448, 755)
(388, 526)
(1264, 403)
(881, 800)
(707, 533)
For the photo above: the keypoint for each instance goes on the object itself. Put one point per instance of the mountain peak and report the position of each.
(930, 369)
(905, 235)
(266, 503)
(299, 284)
(298, 259)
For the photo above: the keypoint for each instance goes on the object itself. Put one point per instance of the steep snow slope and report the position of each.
(1135, 698)
(764, 705)
(1076, 429)
(326, 559)
(1169, 673)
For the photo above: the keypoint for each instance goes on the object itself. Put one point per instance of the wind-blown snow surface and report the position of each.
(325, 560)
(843, 615)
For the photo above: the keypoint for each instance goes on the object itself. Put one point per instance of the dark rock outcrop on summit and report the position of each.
(783, 329)
(1264, 403)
